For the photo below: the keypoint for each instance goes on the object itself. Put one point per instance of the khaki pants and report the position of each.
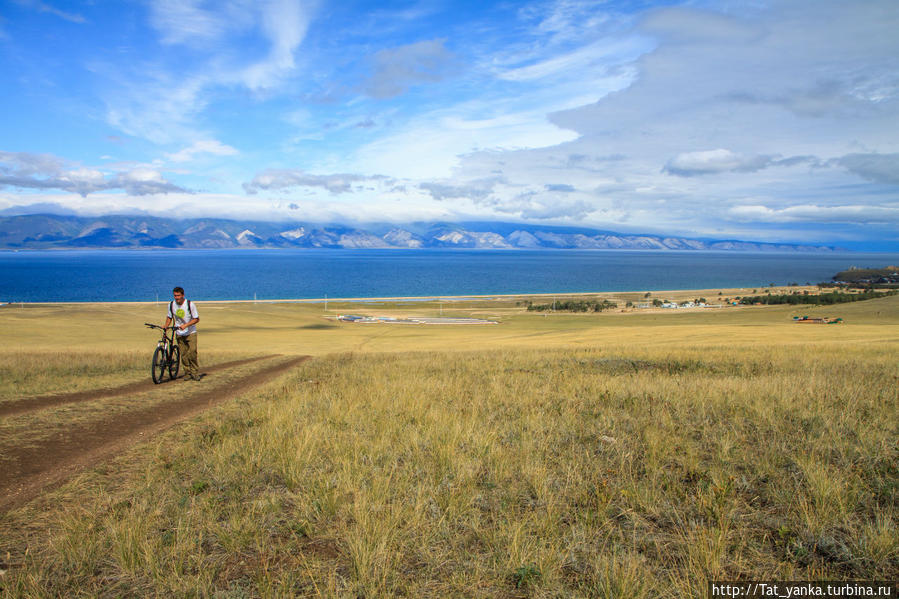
(187, 345)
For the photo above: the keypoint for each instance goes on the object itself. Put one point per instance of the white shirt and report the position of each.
(182, 317)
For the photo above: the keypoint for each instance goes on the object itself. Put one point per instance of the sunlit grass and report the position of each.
(26, 373)
(575, 472)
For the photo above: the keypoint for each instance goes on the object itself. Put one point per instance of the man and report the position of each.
(186, 318)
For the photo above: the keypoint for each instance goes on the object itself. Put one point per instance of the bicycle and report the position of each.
(167, 356)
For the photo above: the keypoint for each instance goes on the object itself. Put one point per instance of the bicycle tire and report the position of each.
(158, 367)
(175, 362)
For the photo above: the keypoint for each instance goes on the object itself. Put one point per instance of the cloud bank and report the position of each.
(41, 171)
(282, 179)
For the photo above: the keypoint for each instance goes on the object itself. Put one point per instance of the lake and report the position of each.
(136, 275)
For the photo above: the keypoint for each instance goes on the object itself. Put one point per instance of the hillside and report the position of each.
(45, 231)
(869, 277)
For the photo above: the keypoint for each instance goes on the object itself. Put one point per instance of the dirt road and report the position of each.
(23, 406)
(30, 469)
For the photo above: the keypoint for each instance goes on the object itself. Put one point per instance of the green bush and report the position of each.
(573, 306)
(821, 299)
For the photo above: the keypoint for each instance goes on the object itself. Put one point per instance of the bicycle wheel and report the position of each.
(175, 363)
(158, 370)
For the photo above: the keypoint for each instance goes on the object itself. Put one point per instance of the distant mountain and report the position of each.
(46, 231)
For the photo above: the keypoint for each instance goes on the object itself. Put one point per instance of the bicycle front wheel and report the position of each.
(158, 369)
(175, 362)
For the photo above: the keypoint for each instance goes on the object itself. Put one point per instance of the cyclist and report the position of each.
(186, 318)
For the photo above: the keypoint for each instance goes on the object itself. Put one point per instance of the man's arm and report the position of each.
(189, 323)
(192, 321)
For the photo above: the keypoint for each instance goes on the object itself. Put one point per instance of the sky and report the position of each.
(752, 119)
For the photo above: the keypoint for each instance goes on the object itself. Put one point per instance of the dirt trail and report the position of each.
(30, 404)
(27, 471)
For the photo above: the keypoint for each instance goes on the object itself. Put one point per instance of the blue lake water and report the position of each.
(128, 275)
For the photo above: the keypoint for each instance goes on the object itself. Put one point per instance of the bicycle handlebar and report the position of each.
(156, 326)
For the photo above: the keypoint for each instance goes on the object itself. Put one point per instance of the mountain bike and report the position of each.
(167, 356)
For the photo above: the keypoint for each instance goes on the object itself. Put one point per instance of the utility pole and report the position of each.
(326, 302)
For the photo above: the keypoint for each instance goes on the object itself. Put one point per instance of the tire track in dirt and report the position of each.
(28, 471)
(22, 406)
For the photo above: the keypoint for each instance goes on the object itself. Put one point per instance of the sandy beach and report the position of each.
(674, 294)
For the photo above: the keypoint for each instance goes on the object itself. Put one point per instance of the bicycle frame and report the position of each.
(166, 357)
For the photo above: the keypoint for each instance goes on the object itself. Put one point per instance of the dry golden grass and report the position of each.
(27, 373)
(36, 426)
(298, 328)
(639, 455)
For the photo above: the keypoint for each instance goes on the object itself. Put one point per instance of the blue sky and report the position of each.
(772, 121)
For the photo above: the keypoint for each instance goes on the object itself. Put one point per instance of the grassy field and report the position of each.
(303, 328)
(625, 454)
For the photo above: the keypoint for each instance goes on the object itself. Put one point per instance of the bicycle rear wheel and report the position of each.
(175, 363)
(158, 369)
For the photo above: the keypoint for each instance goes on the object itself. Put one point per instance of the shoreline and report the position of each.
(655, 294)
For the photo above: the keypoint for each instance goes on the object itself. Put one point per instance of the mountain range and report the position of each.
(51, 231)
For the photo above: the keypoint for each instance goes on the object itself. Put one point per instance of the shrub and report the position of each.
(821, 299)
(574, 306)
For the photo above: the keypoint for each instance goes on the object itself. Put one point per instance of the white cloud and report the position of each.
(212, 146)
(160, 108)
(428, 147)
(715, 161)
(238, 206)
(47, 8)
(396, 69)
(534, 205)
(195, 22)
(160, 101)
(474, 190)
(284, 23)
(27, 164)
(788, 85)
(880, 168)
(281, 179)
(689, 26)
(515, 77)
(599, 55)
(566, 20)
(857, 214)
(699, 118)
(41, 171)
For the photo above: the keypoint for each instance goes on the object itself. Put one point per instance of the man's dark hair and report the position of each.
(178, 290)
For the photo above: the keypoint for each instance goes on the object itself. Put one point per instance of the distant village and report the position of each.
(868, 277)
